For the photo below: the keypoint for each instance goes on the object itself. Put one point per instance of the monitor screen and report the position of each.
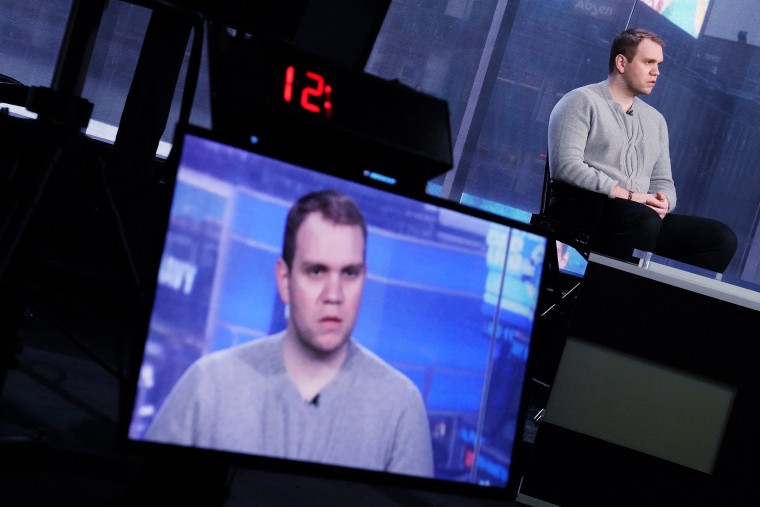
(401, 352)
(688, 15)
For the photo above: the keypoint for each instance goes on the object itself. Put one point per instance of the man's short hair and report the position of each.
(334, 206)
(626, 43)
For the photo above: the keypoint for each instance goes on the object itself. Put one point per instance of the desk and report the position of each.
(656, 396)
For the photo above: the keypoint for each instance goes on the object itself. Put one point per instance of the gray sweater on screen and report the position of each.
(241, 399)
(595, 145)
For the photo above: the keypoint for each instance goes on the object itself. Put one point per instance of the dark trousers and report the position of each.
(627, 225)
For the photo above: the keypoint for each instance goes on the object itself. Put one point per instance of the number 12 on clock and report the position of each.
(308, 90)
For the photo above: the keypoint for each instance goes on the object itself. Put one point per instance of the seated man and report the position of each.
(604, 139)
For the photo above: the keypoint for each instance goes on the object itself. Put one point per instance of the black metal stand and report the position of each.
(33, 151)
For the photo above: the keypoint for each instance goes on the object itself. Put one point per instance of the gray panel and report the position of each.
(642, 405)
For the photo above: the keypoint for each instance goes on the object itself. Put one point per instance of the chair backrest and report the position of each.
(576, 230)
(545, 188)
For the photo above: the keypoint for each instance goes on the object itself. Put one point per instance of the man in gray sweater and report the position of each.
(603, 138)
(310, 392)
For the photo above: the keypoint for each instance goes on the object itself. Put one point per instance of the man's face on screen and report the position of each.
(324, 285)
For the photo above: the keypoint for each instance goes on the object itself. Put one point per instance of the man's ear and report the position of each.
(620, 62)
(282, 277)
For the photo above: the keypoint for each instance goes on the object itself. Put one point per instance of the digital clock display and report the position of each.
(308, 90)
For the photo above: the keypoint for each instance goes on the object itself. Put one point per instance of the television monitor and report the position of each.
(449, 302)
(640, 421)
(688, 15)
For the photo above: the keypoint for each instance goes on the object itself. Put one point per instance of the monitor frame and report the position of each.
(345, 171)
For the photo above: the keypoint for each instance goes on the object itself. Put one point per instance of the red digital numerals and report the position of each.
(315, 93)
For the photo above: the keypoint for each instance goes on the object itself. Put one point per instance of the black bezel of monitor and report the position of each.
(364, 178)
